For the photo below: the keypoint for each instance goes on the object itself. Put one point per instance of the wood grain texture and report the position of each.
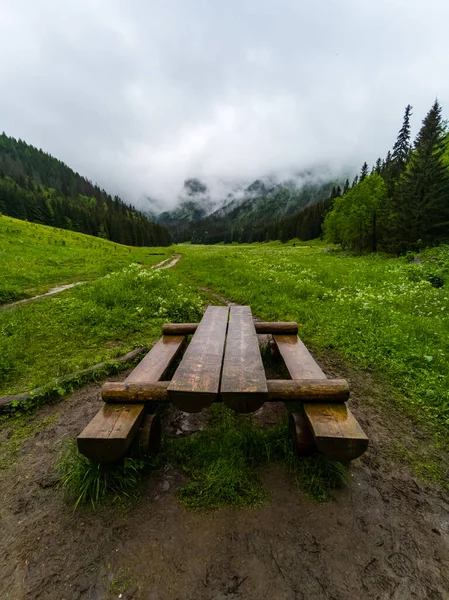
(153, 366)
(243, 383)
(110, 433)
(312, 390)
(196, 382)
(287, 328)
(336, 431)
(122, 392)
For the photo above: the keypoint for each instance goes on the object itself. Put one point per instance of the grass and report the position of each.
(221, 463)
(222, 460)
(35, 258)
(381, 314)
(94, 483)
(90, 324)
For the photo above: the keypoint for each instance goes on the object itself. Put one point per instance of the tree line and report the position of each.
(36, 187)
(403, 203)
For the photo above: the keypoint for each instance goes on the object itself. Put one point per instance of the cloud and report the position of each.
(140, 95)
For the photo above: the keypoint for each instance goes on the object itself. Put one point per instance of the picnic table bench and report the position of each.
(223, 363)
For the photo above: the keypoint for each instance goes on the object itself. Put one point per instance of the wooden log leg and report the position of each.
(149, 436)
(303, 441)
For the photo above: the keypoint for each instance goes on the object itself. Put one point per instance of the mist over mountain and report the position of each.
(200, 197)
(242, 205)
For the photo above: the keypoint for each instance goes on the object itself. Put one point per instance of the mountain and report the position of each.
(246, 212)
(37, 187)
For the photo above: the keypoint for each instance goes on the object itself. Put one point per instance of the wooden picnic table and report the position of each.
(222, 363)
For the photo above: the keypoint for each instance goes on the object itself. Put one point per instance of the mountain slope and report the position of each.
(36, 187)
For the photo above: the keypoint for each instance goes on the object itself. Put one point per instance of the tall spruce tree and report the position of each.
(421, 200)
(401, 152)
(363, 172)
(402, 146)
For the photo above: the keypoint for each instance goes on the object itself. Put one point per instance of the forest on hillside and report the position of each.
(37, 187)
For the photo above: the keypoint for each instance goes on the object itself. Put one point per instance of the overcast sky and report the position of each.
(137, 95)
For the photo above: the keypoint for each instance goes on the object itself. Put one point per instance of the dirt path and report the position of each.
(164, 264)
(168, 263)
(384, 536)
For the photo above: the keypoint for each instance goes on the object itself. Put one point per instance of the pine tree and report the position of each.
(397, 161)
(402, 147)
(421, 201)
(346, 187)
(364, 171)
(355, 181)
(378, 167)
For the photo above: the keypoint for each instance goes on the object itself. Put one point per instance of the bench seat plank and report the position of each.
(109, 434)
(243, 382)
(153, 366)
(196, 382)
(336, 431)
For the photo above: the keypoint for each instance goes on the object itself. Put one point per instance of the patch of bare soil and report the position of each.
(384, 536)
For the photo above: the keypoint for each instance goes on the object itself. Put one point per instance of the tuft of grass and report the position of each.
(93, 483)
(222, 459)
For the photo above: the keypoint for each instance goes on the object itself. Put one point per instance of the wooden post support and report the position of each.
(303, 441)
(149, 436)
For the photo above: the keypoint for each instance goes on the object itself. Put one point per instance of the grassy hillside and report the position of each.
(35, 258)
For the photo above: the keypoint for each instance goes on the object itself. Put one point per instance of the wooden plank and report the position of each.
(243, 382)
(110, 433)
(157, 361)
(288, 328)
(196, 382)
(336, 432)
(312, 390)
(123, 393)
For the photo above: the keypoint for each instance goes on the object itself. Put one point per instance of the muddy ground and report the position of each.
(384, 536)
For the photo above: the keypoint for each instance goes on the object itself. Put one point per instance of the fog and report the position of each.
(138, 96)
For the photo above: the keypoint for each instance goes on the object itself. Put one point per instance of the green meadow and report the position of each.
(35, 258)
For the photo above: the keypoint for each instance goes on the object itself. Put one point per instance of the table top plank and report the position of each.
(196, 382)
(243, 382)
